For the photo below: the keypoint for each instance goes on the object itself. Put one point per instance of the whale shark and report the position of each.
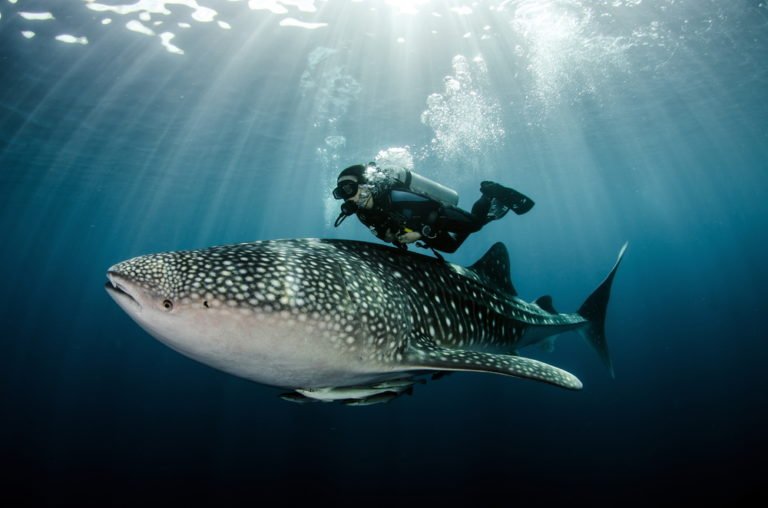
(348, 321)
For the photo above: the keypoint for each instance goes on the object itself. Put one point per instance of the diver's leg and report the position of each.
(446, 242)
(480, 210)
(453, 225)
(454, 219)
(488, 209)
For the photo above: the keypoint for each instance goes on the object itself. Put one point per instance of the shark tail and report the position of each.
(594, 309)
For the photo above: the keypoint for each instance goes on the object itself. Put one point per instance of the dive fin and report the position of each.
(515, 200)
(424, 354)
(593, 310)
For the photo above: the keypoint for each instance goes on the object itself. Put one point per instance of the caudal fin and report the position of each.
(593, 310)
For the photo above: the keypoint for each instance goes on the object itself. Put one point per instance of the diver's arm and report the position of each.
(383, 230)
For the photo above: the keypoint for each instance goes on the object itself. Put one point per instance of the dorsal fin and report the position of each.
(545, 302)
(494, 267)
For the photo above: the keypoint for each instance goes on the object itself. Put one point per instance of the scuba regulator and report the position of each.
(347, 208)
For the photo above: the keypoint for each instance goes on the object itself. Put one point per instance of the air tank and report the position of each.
(423, 186)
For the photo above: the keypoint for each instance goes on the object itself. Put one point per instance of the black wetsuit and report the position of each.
(442, 227)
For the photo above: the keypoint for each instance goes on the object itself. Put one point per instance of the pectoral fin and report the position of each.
(424, 354)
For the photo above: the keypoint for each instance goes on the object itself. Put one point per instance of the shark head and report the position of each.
(253, 310)
(154, 292)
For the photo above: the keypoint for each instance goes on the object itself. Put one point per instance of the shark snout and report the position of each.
(121, 289)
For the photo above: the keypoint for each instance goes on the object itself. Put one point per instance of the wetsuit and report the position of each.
(443, 227)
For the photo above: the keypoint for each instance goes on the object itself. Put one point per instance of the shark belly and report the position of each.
(295, 352)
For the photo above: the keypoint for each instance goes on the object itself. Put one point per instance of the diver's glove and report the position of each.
(409, 237)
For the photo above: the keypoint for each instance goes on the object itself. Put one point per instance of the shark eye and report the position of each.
(168, 305)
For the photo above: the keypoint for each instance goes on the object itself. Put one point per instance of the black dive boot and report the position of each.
(515, 201)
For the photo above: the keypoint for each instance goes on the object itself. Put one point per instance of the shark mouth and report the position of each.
(117, 291)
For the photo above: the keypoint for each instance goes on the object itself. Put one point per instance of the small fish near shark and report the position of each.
(349, 321)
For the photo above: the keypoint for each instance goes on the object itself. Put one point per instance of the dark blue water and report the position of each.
(630, 121)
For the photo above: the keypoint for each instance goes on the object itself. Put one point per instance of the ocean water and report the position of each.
(134, 128)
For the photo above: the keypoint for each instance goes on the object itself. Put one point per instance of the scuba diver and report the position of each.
(402, 207)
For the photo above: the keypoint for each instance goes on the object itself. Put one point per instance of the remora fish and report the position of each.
(345, 320)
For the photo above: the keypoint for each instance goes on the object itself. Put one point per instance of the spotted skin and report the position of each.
(317, 314)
